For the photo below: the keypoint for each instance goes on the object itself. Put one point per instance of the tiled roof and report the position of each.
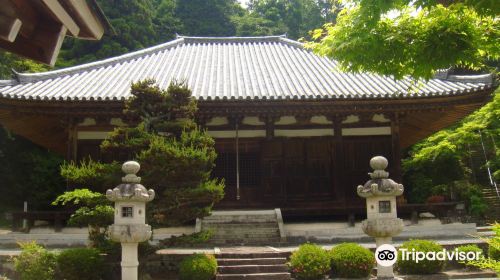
(254, 68)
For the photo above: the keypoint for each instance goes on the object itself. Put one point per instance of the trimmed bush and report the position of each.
(80, 264)
(494, 253)
(467, 249)
(35, 262)
(198, 267)
(410, 266)
(310, 261)
(350, 260)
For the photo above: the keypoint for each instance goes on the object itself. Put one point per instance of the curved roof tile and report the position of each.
(229, 68)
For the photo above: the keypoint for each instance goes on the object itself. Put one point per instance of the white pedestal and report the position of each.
(130, 262)
(384, 272)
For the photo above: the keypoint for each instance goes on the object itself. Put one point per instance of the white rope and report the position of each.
(492, 181)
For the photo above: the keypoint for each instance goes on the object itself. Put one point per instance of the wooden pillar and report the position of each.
(235, 122)
(338, 151)
(72, 142)
(396, 154)
(270, 120)
(396, 148)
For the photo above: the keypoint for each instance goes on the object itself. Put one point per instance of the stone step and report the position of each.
(250, 261)
(240, 224)
(245, 227)
(251, 269)
(236, 219)
(245, 233)
(256, 276)
(483, 228)
(246, 242)
(253, 255)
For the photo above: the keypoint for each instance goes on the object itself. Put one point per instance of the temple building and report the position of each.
(291, 130)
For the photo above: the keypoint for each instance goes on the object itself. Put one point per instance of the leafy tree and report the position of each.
(207, 17)
(251, 24)
(132, 21)
(415, 38)
(176, 157)
(298, 16)
(9, 62)
(444, 158)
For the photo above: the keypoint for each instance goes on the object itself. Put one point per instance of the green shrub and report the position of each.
(350, 260)
(198, 267)
(35, 262)
(410, 266)
(466, 249)
(80, 264)
(310, 262)
(493, 252)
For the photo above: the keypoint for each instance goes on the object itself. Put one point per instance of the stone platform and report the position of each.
(295, 233)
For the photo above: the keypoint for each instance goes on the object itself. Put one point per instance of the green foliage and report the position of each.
(100, 215)
(199, 267)
(493, 260)
(80, 264)
(493, 249)
(409, 266)
(350, 260)
(445, 158)
(466, 249)
(207, 17)
(94, 209)
(79, 197)
(176, 157)
(132, 21)
(91, 173)
(401, 38)
(29, 173)
(309, 261)
(9, 62)
(295, 18)
(35, 262)
(190, 240)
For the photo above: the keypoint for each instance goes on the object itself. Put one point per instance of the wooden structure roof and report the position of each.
(250, 68)
(36, 28)
(251, 76)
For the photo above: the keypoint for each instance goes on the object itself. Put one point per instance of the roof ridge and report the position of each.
(30, 77)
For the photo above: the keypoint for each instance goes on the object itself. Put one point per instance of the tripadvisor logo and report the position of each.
(387, 255)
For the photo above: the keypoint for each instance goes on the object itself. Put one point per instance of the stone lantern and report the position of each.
(130, 226)
(382, 221)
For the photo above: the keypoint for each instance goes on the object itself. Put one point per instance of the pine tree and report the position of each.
(176, 157)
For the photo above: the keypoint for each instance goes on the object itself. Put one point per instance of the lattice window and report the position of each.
(249, 169)
(127, 212)
(225, 167)
(384, 206)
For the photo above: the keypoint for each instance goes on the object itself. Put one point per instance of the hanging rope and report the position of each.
(492, 181)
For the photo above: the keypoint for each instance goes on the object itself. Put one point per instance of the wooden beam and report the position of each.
(9, 27)
(44, 45)
(27, 14)
(88, 19)
(60, 13)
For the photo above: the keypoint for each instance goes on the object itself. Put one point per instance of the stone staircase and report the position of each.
(256, 227)
(493, 201)
(270, 265)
